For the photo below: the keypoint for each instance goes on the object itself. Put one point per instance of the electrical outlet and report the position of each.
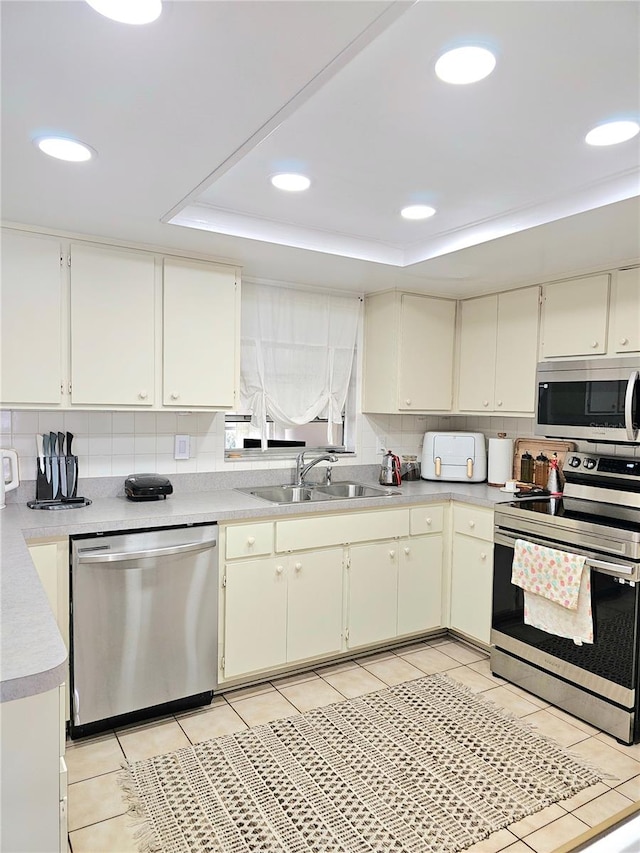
(182, 447)
(381, 444)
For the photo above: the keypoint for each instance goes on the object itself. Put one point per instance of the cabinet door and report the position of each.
(425, 372)
(471, 587)
(314, 604)
(112, 327)
(255, 616)
(626, 312)
(478, 333)
(51, 560)
(420, 584)
(574, 320)
(373, 593)
(517, 350)
(200, 314)
(31, 332)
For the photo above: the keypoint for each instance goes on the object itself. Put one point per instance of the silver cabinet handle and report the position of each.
(129, 556)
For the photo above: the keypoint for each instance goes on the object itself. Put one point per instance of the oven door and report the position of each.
(591, 401)
(609, 666)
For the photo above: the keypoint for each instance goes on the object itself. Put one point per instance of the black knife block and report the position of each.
(44, 486)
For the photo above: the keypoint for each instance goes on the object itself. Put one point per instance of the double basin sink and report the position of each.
(292, 494)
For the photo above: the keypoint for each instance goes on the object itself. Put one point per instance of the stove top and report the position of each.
(613, 517)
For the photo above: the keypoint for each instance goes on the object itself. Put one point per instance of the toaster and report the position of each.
(452, 456)
(147, 487)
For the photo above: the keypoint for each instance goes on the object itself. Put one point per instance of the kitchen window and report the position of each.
(296, 370)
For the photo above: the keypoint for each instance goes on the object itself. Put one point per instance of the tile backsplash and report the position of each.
(114, 444)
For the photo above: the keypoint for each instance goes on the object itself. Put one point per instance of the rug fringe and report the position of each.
(144, 833)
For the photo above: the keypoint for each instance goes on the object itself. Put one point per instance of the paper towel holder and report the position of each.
(500, 466)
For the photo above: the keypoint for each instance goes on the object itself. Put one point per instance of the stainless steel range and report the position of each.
(598, 517)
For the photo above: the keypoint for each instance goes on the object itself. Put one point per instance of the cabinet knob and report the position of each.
(297, 567)
(483, 556)
(428, 521)
(408, 402)
(485, 403)
(407, 550)
(175, 396)
(392, 553)
(251, 540)
(624, 342)
(594, 344)
(143, 395)
(499, 402)
(279, 570)
(472, 524)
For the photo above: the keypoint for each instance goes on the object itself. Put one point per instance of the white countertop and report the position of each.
(32, 653)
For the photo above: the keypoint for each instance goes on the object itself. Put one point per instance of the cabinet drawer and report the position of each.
(249, 540)
(473, 521)
(319, 532)
(426, 519)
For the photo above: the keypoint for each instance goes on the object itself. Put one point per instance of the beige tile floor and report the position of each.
(97, 819)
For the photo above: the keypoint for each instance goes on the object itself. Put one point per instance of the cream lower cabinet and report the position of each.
(303, 589)
(372, 614)
(394, 589)
(280, 610)
(51, 559)
(472, 572)
(33, 794)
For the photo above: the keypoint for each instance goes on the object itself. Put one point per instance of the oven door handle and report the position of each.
(632, 433)
(592, 562)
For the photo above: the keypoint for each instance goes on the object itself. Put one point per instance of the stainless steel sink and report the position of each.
(348, 489)
(290, 494)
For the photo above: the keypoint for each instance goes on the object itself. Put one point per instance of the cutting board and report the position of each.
(539, 445)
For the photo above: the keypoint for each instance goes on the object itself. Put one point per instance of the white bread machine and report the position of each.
(454, 456)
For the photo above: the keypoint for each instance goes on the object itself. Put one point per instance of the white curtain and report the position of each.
(296, 355)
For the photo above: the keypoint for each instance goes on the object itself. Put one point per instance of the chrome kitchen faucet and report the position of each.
(302, 470)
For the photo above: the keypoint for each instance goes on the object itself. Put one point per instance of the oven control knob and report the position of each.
(589, 463)
(574, 461)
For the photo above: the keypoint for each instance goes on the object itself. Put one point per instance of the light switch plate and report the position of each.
(182, 447)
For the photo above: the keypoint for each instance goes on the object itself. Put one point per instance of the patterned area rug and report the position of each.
(424, 767)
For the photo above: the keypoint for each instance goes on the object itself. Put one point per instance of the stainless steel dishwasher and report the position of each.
(143, 624)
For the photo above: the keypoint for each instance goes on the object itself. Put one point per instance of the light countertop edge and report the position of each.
(32, 654)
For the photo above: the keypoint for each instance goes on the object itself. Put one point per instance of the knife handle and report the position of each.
(69, 441)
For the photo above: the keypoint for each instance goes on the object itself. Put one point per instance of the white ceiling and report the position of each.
(190, 116)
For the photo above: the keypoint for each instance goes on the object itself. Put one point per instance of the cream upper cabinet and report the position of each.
(574, 317)
(32, 314)
(625, 312)
(201, 310)
(408, 353)
(112, 326)
(498, 352)
(478, 341)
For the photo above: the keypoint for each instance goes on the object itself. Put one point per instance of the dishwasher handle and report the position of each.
(128, 556)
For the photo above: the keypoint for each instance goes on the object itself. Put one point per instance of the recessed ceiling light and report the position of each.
(417, 211)
(65, 149)
(128, 11)
(291, 182)
(612, 132)
(465, 65)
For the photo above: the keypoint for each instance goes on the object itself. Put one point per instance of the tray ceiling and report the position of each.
(192, 114)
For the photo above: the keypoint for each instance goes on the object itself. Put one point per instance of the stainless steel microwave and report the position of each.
(592, 400)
